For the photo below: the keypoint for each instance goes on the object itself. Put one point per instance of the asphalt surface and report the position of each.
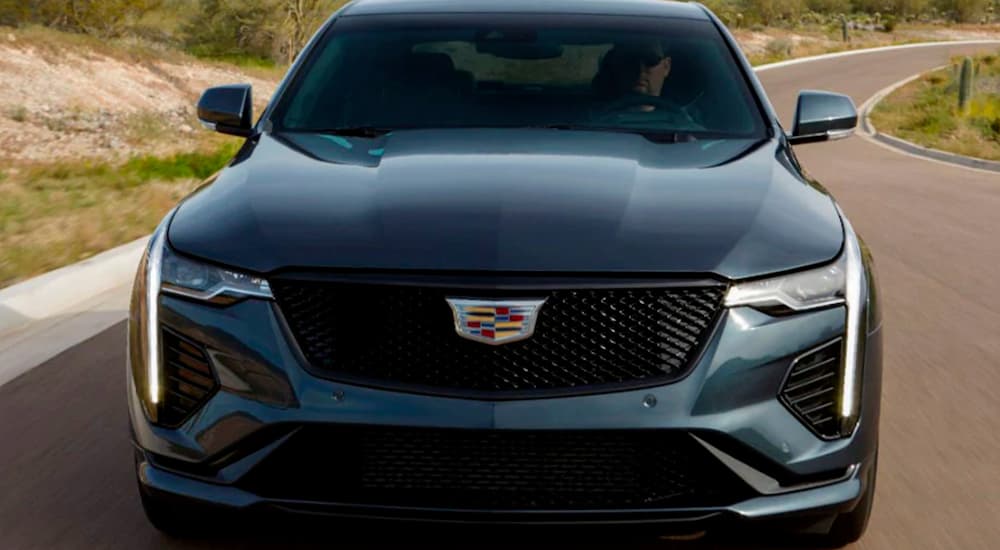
(66, 477)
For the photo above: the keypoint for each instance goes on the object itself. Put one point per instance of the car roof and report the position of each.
(648, 8)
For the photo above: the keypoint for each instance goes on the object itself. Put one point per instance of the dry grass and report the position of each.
(83, 226)
(771, 45)
(53, 45)
(54, 215)
(926, 112)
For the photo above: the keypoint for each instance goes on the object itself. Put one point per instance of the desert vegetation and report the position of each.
(954, 109)
(273, 31)
(269, 31)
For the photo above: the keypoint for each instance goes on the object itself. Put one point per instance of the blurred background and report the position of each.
(98, 136)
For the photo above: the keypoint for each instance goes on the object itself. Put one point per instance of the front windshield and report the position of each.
(670, 76)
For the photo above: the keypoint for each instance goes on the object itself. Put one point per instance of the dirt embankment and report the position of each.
(60, 102)
(759, 44)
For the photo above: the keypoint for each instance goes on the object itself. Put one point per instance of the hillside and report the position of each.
(98, 140)
(66, 97)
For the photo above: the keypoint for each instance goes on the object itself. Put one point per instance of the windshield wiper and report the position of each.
(655, 136)
(354, 131)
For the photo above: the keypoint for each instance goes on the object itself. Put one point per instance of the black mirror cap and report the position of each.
(228, 109)
(822, 116)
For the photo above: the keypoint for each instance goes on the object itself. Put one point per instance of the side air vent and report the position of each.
(188, 379)
(812, 389)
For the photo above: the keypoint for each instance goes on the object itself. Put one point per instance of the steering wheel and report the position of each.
(661, 106)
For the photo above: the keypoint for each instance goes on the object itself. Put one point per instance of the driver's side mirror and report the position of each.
(227, 110)
(823, 116)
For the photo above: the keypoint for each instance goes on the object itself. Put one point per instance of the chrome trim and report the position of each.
(154, 263)
(833, 135)
(458, 306)
(855, 273)
(777, 298)
(763, 483)
(211, 126)
(214, 293)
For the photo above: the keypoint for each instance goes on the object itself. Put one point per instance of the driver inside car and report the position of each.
(634, 68)
(630, 84)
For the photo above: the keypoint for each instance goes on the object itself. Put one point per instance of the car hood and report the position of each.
(510, 201)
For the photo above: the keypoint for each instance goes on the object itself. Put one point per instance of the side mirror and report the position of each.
(227, 110)
(823, 116)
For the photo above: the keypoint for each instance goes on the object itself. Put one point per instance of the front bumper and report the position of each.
(730, 393)
(805, 507)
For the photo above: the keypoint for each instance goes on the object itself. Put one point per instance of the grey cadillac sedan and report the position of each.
(512, 262)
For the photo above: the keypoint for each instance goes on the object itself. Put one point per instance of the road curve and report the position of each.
(66, 477)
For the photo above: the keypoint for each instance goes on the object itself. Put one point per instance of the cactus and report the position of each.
(965, 85)
(843, 29)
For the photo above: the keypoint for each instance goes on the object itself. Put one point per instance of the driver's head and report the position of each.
(639, 67)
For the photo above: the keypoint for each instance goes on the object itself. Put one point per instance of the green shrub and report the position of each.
(138, 170)
(17, 113)
(779, 48)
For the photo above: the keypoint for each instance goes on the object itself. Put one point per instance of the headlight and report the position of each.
(193, 279)
(841, 282)
(167, 272)
(816, 288)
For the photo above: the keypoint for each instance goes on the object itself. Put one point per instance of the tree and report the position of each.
(302, 17)
(962, 10)
(829, 6)
(769, 12)
(232, 27)
(104, 18)
(275, 29)
(14, 12)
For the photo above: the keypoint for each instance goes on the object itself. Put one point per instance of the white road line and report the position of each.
(868, 130)
(848, 53)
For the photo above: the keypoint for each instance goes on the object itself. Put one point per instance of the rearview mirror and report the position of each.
(823, 116)
(227, 110)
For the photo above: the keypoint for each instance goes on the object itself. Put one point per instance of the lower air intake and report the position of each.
(188, 379)
(495, 469)
(812, 390)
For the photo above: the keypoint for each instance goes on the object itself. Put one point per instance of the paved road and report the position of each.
(66, 479)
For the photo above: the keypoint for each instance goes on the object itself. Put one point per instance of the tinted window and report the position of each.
(669, 76)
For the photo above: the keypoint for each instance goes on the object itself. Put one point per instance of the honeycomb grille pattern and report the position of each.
(495, 469)
(583, 338)
(188, 380)
(812, 389)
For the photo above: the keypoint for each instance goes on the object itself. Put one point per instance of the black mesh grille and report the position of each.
(812, 389)
(495, 469)
(405, 335)
(188, 380)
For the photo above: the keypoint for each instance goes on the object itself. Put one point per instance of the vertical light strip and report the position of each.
(855, 307)
(154, 261)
